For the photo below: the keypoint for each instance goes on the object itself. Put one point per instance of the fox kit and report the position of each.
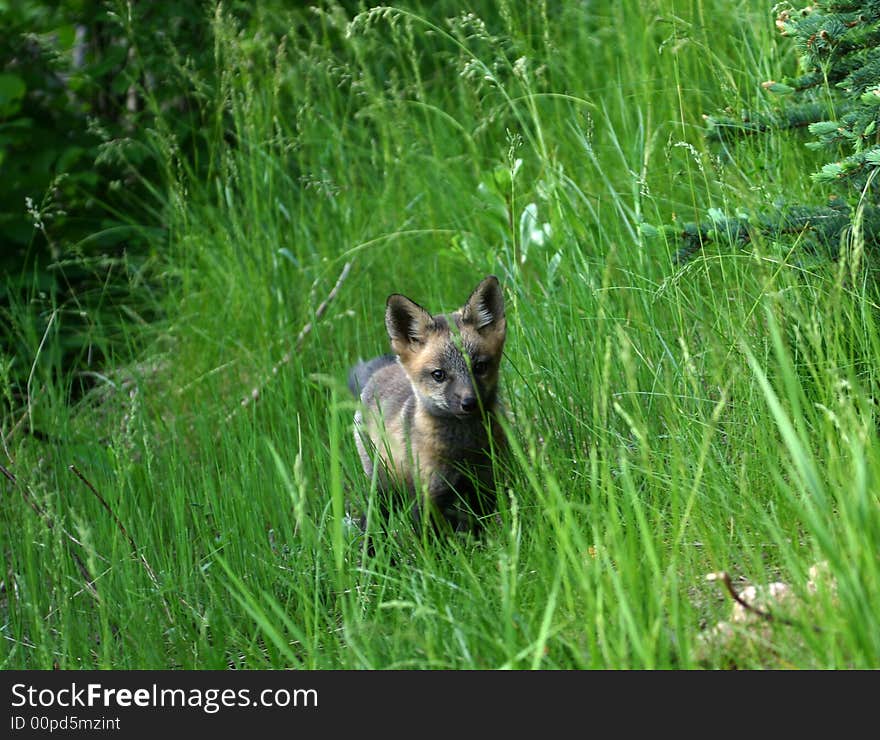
(429, 415)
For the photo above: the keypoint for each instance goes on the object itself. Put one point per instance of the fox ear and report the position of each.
(407, 323)
(485, 307)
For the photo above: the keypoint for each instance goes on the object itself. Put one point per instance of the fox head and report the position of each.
(452, 360)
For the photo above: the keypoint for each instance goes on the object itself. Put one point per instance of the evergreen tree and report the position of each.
(838, 42)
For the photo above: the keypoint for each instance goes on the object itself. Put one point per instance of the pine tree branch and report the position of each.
(728, 128)
(822, 225)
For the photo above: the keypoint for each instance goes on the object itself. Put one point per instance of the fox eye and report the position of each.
(480, 367)
(439, 375)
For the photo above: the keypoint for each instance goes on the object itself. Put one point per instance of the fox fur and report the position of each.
(429, 411)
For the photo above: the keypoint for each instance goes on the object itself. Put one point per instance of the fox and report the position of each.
(428, 420)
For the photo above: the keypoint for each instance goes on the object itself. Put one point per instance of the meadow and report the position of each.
(193, 507)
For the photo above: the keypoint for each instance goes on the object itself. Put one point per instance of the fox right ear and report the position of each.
(485, 307)
(407, 323)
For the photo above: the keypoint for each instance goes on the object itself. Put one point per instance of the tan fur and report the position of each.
(433, 435)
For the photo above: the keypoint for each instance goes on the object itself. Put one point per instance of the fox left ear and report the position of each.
(408, 324)
(485, 307)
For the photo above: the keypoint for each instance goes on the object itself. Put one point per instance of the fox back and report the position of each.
(429, 414)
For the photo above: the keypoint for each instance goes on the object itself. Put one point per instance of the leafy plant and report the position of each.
(80, 86)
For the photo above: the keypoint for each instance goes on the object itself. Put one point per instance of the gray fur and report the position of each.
(360, 374)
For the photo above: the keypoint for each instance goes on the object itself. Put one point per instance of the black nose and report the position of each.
(468, 404)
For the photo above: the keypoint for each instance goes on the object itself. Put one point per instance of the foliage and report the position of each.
(838, 100)
(81, 84)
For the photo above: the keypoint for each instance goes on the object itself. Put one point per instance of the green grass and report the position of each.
(667, 421)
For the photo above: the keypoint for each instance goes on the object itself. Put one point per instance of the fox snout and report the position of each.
(454, 396)
(468, 404)
(461, 400)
